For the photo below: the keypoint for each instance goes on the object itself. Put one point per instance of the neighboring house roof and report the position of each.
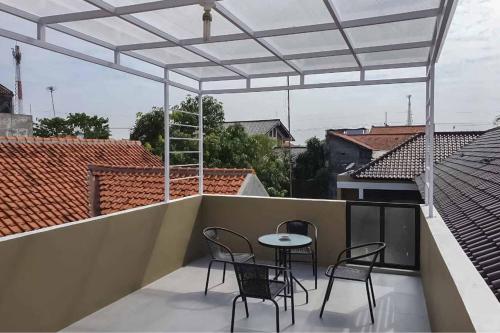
(414, 129)
(119, 188)
(44, 180)
(381, 141)
(349, 138)
(4, 91)
(467, 195)
(264, 126)
(406, 161)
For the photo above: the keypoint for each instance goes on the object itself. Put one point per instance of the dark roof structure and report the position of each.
(264, 126)
(467, 195)
(4, 91)
(411, 129)
(406, 161)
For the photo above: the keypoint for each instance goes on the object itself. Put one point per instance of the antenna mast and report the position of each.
(409, 120)
(16, 54)
(51, 89)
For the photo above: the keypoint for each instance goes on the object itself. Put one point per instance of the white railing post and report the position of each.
(429, 142)
(200, 140)
(166, 151)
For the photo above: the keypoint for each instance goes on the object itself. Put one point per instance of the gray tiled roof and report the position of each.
(406, 161)
(254, 127)
(467, 195)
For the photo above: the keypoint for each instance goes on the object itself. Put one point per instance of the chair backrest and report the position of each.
(300, 227)
(368, 250)
(216, 248)
(253, 280)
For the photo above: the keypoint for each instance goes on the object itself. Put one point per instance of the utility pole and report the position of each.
(51, 89)
(16, 54)
(409, 120)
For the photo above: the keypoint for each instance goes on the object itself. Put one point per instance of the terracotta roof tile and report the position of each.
(414, 129)
(406, 161)
(123, 188)
(44, 180)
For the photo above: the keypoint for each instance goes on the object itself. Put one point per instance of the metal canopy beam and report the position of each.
(242, 26)
(335, 17)
(315, 85)
(157, 32)
(291, 30)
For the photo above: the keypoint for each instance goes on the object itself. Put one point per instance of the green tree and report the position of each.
(75, 124)
(149, 127)
(310, 172)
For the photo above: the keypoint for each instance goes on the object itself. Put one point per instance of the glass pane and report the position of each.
(265, 67)
(394, 57)
(326, 62)
(49, 7)
(171, 55)
(186, 22)
(113, 30)
(392, 33)
(365, 226)
(235, 50)
(209, 71)
(266, 14)
(356, 9)
(400, 236)
(308, 42)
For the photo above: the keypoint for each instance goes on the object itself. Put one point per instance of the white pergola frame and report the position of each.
(443, 16)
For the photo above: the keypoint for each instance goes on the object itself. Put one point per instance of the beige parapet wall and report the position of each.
(457, 297)
(53, 277)
(254, 216)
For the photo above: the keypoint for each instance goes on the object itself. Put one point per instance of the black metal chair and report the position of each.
(307, 229)
(222, 253)
(254, 282)
(359, 273)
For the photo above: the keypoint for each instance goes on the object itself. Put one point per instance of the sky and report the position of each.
(467, 85)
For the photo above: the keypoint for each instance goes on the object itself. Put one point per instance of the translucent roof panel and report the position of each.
(266, 14)
(186, 22)
(209, 71)
(264, 67)
(170, 55)
(235, 49)
(118, 3)
(50, 7)
(394, 57)
(326, 63)
(308, 42)
(392, 33)
(358, 9)
(113, 30)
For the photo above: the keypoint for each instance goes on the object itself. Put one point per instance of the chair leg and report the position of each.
(224, 274)
(246, 305)
(293, 303)
(315, 270)
(284, 298)
(369, 301)
(373, 294)
(277, 315)
(232, 315)
(208, 276)
(327, 296)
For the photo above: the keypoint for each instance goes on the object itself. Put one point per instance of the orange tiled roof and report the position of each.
(414, 129)
(382, 141)
(44, 180)
(120, 188)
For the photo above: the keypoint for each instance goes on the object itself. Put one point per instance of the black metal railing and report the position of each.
(397, 225)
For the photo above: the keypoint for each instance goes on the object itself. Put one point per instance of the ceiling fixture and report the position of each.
(207, 19)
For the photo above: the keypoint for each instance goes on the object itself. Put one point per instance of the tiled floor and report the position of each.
(176, 302)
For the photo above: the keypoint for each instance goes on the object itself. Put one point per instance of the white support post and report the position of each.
(429, 140)
(166, 150)
(200, 140)
(40, 32)
(117, 57)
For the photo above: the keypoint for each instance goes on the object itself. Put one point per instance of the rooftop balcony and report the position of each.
(144, 270)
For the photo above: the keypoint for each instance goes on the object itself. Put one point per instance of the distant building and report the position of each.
(6, 97)
(12, 124)
(351, 148)
(391, 177)
(273, 128)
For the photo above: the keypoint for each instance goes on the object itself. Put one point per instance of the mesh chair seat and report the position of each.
(303, 250)
(238, 257)
(349, 273)
(275, 287)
